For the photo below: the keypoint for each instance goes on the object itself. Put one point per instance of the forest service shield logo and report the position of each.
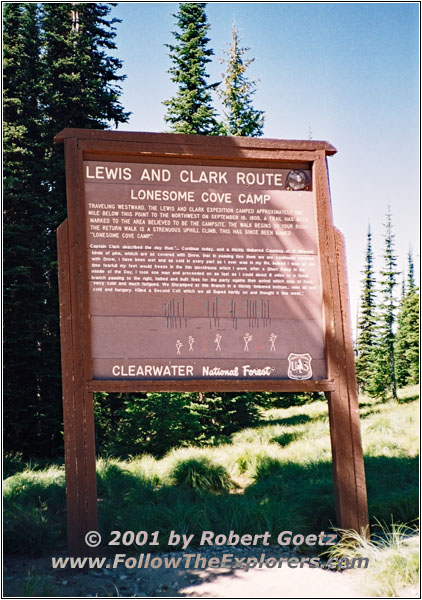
(299, 366)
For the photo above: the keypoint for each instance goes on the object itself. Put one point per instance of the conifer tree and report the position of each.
(240, 118)
(80, 90)
(366, 334)
(81, 80)
(57, 74)
(25, 223)
(190, 110)
(407, 336)
(384, 377)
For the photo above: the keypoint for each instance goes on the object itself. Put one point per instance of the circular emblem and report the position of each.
(297, 181)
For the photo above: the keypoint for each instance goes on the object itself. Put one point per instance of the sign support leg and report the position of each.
(78, 418)
(348, 465)
(343, 404)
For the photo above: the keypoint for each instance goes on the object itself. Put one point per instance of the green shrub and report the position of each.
(156, 422)
(34, 511)
(201, 474)
(291, 399)
(12, 463)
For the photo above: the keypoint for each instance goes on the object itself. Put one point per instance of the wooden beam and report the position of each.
(170, 139)
(81, 487)
(348, 368)
(348, 468)
(217, 385)
(74, 516)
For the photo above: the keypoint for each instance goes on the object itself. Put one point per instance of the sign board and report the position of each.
(196, 263)
(203, 272)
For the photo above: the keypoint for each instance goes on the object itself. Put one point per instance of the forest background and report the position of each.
(343, 73)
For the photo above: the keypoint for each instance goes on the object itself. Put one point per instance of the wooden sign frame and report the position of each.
(78, 385)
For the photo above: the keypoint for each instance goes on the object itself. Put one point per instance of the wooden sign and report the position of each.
(195, 263)
(203, 272)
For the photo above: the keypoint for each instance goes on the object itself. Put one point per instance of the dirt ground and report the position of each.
(26, 577)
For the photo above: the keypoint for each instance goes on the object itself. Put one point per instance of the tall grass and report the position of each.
(201, 474)
(38, 586)
(393, 554)
(34, 510)
(273, 477)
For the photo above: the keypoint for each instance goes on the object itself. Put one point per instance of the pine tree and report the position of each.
(384, 377)
(81, 80)
(190, 110)
(407, 336)
(410, 272)
(240, 118)
(80, 90)
(25, 225)
(57, 74)
(366, 334)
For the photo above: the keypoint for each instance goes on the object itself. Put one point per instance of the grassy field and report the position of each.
(393, 554)
(276, 476)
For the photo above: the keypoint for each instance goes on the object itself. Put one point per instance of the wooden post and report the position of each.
(361, 518)
(79, 437)
(348, 465)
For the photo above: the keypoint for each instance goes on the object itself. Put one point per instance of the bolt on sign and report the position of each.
(194, 263)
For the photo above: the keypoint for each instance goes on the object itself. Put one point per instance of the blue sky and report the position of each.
(347, 73)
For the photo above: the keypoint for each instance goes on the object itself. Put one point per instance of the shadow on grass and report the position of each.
(289, 421)
(366, 404)
(283, 439)
(364, 414)
(286, 438)
(372, 407)
(34, 512)
(283, 497)
(408, 399)
(392, 485)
